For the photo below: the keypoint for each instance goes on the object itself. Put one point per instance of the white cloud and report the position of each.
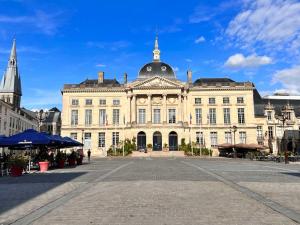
(271, 24)
(41, 97)
(100, 65)
(289, 78)
(113, 46)
(240, 61)
(199, 40)
(188, 60)
(46, 23)
(176, 69)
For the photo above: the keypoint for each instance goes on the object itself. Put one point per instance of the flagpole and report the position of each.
(190, 135)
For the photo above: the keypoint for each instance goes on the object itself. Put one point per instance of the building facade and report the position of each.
(158, 109)
(49, 120)
(13, 118)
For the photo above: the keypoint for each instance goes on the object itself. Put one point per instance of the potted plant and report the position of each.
(16, 164)
(149, 147)
(60, 160)
(165, 148)
(72, 159)
(43, 160)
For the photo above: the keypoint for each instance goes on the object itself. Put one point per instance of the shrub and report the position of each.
(18, 161)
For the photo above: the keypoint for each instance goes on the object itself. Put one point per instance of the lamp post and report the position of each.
(40, 118)
(82, 133)
(283, 118)
(234, 129)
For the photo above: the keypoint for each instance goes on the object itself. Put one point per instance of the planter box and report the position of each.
(44, 166)
(72, 162)
(16, 171)
(61, 163)
(165, 149)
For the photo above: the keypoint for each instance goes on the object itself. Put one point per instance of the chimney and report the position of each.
(125, 78)
(100, 77)
(189, 76)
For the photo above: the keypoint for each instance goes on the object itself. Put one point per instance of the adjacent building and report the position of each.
(13, 118)
(49, 120)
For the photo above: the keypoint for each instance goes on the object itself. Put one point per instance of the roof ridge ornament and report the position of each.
(156, 51)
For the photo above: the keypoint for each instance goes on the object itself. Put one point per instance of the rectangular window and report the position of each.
(88, 102)
(87, 140)
(102, 102)
(288, 115)
(259, 131)
(225, 100)
(198, 116)
(226, 112)
(211, 101)
(228, 137)
(74, 117)
(212, 116)
(172, 115)
(75, 102)
(116, 102)
(101, 140)
(88, 117)
(156, 116)
(213, 139)
(200, 138)
(269, 115)
(116, 116)
(115, 138)
(243, 137)
(270, 132)
(197, 101)
(241, 115)
(142, 116)
(73, 136)
(240, 100)
(102, 116)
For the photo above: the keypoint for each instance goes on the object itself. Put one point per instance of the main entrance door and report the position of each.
(157, 141)
(141, 141)
(173, 141)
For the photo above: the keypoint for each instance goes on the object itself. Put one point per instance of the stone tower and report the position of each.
(10, 86)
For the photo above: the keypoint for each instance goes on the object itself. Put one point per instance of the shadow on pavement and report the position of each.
(15, 191)
(293, 174)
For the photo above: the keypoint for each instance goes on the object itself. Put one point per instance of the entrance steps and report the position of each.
(158, 154)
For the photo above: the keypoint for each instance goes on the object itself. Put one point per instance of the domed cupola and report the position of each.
(156, 68)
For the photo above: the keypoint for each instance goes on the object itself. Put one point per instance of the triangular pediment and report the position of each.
(157, 82)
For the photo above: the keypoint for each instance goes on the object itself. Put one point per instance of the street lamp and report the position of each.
(82, 132)
(234, 129)
(40, 118)
(283, 118)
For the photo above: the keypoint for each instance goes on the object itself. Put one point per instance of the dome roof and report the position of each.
(156, 69)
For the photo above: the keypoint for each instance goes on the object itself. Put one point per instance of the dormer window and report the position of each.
(163, 68)
(269, 115)
(149, 68)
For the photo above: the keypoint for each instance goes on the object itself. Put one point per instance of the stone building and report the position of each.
(13, 118)
(49, 120)
(159, 109)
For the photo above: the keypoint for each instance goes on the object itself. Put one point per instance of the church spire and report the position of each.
(10, 86)
(156, 51)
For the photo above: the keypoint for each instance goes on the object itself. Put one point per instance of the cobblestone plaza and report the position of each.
(155, 191)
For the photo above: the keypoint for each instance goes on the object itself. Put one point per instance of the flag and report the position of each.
(190, 118)
(106, 120)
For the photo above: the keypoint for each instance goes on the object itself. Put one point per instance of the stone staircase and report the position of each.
(158, 154)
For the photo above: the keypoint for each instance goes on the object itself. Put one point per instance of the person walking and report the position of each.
(89, 155)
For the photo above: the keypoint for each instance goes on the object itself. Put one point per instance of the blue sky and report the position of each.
(62, 42)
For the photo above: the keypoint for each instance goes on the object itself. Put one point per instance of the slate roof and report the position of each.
(94, 83)
(278, 104)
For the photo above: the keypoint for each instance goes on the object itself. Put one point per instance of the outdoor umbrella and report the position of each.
(72, 142)
(28, 137)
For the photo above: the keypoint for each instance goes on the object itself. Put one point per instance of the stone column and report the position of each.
(164, 109)
(133, 113)
(149, 109)
(128, 112)
(184, 119)
(179, 108)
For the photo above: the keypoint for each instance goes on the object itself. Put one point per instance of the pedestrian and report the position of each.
(89, 155)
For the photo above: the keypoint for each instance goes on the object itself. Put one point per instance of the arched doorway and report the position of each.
(173, 141)
(141, 141)
(157, 141)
